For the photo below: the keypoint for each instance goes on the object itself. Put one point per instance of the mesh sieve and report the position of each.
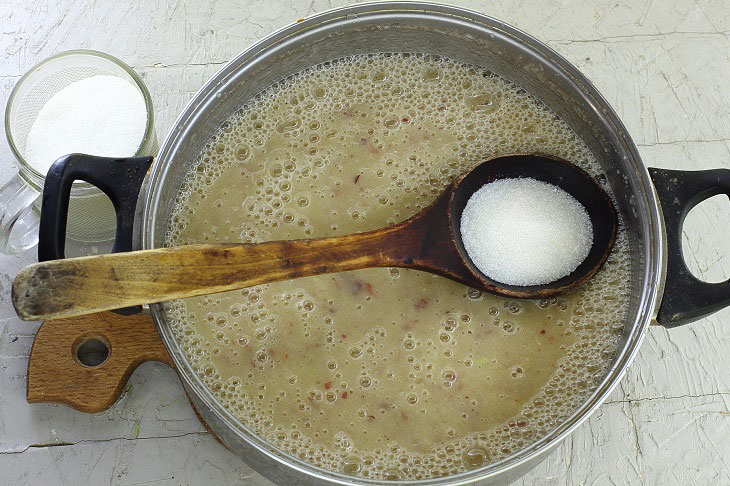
(36, 93)
(91, 214)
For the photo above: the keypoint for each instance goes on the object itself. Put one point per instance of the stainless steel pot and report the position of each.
(458, 34)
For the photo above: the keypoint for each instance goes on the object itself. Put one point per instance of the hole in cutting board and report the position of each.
(91, 351)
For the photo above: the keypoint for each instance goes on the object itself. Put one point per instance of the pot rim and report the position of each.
(653, 243)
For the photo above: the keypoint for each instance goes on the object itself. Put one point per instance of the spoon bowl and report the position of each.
(428, 241)
(552, 170)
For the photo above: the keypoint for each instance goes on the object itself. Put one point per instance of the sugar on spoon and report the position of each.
(429, 241)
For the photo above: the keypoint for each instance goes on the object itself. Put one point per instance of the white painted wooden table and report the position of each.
(663, 65)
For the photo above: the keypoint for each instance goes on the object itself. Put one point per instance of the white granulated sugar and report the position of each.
(100, 115)
(525, 231)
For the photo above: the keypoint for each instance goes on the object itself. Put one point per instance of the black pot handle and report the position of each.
(119, 178)
(686, 298)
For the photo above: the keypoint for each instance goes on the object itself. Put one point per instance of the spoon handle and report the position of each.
(76, 286)
(72, 287)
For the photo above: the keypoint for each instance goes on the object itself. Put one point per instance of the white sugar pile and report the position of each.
(525, 231)
(100, 115)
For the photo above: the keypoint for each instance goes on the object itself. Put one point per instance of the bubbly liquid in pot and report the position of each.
(383, 373)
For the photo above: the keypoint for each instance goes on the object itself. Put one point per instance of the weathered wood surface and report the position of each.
(57, 375)
(78, 286)
(664, 66)
(66, 288)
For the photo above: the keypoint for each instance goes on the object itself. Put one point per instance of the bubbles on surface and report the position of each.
(325, 368)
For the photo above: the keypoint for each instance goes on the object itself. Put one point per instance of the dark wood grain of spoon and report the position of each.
(429, 241)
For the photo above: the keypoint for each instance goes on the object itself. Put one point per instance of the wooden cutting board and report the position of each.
(56, 373)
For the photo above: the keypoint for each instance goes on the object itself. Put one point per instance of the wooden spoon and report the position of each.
(428, 241)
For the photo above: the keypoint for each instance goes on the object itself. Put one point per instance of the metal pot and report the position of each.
(656, 260)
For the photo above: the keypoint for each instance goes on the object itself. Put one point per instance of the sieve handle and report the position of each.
(119, 178)
(18, 216)
(686, 298)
